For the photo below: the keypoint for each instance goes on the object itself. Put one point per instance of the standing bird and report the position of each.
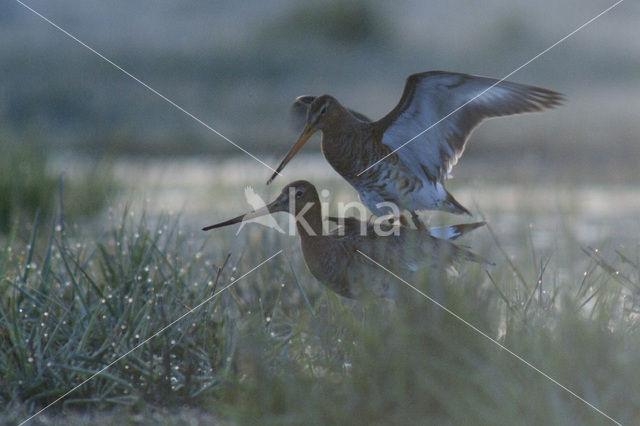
(404, 157)
(338, 259)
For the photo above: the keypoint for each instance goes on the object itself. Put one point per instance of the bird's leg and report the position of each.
(418, 222)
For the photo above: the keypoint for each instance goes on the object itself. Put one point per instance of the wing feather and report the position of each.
(450, 105)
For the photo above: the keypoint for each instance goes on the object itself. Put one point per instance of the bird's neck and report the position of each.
(346, 146)
(309, 221)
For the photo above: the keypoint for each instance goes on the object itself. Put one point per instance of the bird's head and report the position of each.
(294, 198)
(321, 112)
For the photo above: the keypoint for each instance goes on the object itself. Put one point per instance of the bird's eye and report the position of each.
(298, 194)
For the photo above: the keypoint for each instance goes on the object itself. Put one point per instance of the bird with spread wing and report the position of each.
(404, 157)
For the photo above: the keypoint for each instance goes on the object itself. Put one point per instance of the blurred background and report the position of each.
(238, 65)
(105, 186)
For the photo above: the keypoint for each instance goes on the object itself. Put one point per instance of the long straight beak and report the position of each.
(280, 204)
(308, 131)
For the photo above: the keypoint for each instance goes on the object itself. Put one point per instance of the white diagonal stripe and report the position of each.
(145, 85)
(482, 333)
(157, 333)
(494, 84)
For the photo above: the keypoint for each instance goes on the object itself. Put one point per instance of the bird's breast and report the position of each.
(351, 150)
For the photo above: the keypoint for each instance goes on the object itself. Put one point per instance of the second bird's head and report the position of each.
(293, 199)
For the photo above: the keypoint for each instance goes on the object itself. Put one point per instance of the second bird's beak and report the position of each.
(308, 131)
(279, 205)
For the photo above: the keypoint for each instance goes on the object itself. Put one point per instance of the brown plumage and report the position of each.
(405, 157)
(334, 258)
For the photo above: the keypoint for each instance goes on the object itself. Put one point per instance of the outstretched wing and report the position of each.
(440, 109)
(299, 108)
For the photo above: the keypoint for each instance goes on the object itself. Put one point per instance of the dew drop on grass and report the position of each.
(268, 319)
(130, 300)
(173, 342)
(123, 327)
(30, 360)
(46, 314)
(137, 336)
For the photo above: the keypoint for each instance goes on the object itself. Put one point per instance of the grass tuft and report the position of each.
(277, 348)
